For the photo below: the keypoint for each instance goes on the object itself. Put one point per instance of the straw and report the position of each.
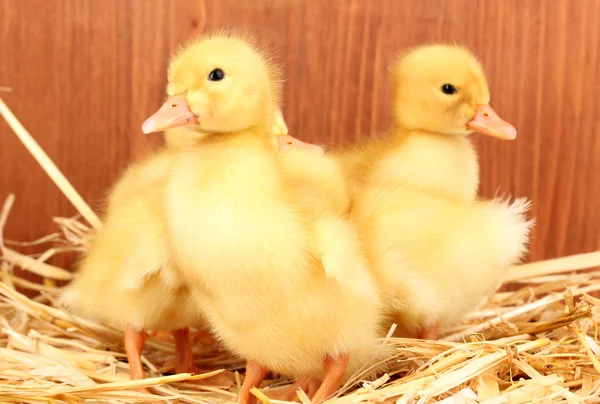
(554, 266)
(49, 167)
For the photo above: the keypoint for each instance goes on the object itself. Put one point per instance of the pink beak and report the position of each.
(173, 113)
(487, 122)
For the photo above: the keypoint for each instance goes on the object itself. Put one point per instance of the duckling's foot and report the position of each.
(134, 344)
(333, 374)
(255, 374)
(431, 332)
(307, 384)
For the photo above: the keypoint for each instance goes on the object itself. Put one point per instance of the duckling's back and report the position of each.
(316, 180)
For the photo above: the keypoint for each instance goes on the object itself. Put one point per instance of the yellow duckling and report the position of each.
(436, 250)
(246, 244)
(126, 278)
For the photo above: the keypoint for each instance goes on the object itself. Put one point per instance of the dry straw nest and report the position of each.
(536, 343)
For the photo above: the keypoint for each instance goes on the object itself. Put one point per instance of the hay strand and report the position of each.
(554, 266)
(23, 261)
(49, 167)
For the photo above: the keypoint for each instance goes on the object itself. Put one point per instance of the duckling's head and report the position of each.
(219, 84)
(443, 89)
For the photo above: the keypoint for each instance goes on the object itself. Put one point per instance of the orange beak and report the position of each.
(487, 122)
(173, 113)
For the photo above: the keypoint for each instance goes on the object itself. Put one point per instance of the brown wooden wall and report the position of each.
(85, 73)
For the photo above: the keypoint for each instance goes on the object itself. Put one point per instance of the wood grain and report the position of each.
(85, 73)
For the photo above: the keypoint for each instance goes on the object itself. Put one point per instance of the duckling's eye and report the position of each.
(449, 89)
(216, 75)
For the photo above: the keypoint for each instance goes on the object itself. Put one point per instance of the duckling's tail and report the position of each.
(489, 237)
(508, 229)
(448, 255)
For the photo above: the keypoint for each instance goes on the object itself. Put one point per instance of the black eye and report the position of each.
(449, 89)
(216, 75)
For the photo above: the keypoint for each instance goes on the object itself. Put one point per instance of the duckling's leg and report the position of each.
(184, 362)
(255, 374)
(290, 393)
(431, 332)
(313, 386)
(335, 369)
(134, 344)
(184, 357)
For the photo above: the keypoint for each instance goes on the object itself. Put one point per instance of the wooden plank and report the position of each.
(84, 74)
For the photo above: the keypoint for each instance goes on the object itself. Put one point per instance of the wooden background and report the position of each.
(86, 73)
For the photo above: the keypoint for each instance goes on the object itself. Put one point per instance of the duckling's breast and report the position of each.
(229, 217)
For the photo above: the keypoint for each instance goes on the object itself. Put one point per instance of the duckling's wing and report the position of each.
(317, 184)
(135, 221)
(341, 254)
(133, 243)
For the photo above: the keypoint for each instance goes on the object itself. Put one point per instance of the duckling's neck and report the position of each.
(436, 162)
(176, 138)
(255, 136)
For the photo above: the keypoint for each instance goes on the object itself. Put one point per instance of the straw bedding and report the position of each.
(535, 344)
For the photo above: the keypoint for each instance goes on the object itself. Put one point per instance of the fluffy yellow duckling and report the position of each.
(126, 279)
(436, 250)
(236, 227)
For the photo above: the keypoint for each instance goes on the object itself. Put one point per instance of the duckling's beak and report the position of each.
(487, 122)
(174, 112)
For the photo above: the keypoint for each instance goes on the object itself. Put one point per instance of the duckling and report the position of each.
(126, 278)
(247, 245)
(436, 250)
